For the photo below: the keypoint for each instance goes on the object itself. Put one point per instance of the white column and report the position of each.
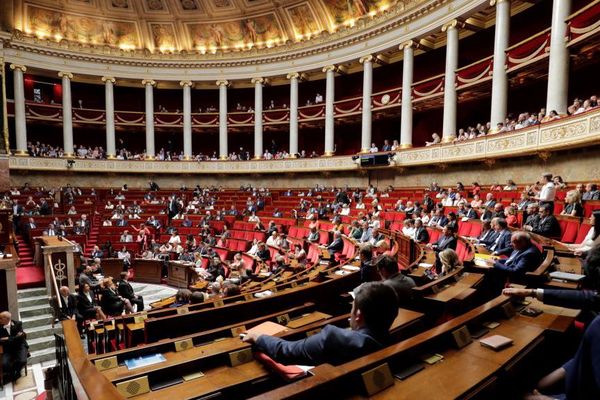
(293, 77)
(329, 121)
(558, 71)
(187, 119)
(149, 85)
(67, 113)
(367, 62)
(20, 122)
(109, 100)
(258, 116)
(450, 99)
(499, 77)
(223, 151)
(406, 116)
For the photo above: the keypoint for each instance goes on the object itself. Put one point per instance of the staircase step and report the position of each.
(42, 331)
(36, 320)
(33, 301)
(40, 343)
(25, 293)
(39, 356)
(32, 311)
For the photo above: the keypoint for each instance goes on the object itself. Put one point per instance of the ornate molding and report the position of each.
(109, 79)
(146, 82)
(186, 83)
(367, 58)
(222, 82)
(451, 24)
(261, 81)
(328, 68)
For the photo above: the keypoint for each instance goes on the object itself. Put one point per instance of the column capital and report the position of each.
(450, 25)
(367, 58)
(18, 66)
(256, 80)
(409, 44)
(185, 83)
(222, 82)
(150, 82)
(496, 2)
(64, 74)
(328, 68)
(110, 79)
(293, 75)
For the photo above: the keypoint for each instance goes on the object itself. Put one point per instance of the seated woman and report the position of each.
(476, 202)
(511, 217)
(86, 304)
(112, 302)
(591, 239)
(573, 205)
(449, 261)
(182, 297)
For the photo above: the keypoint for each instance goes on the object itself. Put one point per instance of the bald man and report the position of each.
(15, 347)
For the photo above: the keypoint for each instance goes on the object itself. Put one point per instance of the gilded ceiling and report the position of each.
(192, 25)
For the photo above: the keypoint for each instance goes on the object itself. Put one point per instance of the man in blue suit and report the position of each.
(373, 311)
(524, 257)
(502, 245)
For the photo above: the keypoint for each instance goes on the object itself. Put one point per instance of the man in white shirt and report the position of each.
(126, 237)
(547, 194)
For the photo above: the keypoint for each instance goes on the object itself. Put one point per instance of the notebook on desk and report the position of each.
(496, 342)
(267, 328)
(566, 276)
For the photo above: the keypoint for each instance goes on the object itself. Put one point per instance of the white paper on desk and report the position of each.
(351, 267)
(305, 368)
(341, 272)
(480, 262)
(265, 293)
(425, 265)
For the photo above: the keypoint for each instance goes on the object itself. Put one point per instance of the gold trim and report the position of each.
(223, 158)
(450, 24)
(406, 145)
(328, 154)
(21, 153)
(149, 158)
(187, 158)
(222, 82)
(18, 66)
(364, 151)
(367, 58)
(69, 155)
(185, 83)
(63, 74)
(146, 82)
(257, 158)
(328, 68)
(293, 75)
(254, 81)
(109, 79)
(448, 139)
(111, 157)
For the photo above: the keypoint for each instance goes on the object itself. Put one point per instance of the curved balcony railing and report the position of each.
(576, 131)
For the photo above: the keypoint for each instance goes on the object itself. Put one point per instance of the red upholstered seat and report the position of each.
(569, 231)
(582, 232)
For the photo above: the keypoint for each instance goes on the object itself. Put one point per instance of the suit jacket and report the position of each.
(576, 299)
(67, 309)
(14, 342)
(336, 246)
(520, 262)
(446, 242)
(548, 227)
(421, 235)
(84, 305)
(502, 245)
(488, 238)
(402, 285)
(471, 214)
(126, 290)
(332, 345)
(111, 302)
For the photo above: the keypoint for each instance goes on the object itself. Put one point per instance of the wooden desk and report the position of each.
(148, 271)
(180, 274)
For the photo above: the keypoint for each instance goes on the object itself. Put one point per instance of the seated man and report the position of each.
(126, 237)
(548, 225)
(15, 347)
(402, 284)
(126, 291)
(67, 308)
(502, 245)
(373, 311)
(524, 257)
(337, 245)
(421, 235)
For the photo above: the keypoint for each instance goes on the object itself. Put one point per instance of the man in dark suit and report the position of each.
(373, 311)
(524, 257)
(67, 308)
(15, 347)
(421, 234)
(446, 241)
(44, 207)
(86, 303)
(488, 235)
(548, 225)
(337, 245)
(402, 284)
(126, 291)
(154, 186)
(18, 212)
(502, 245)
(173, 207)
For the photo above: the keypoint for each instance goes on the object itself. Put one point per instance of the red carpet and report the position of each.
(29, 277)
